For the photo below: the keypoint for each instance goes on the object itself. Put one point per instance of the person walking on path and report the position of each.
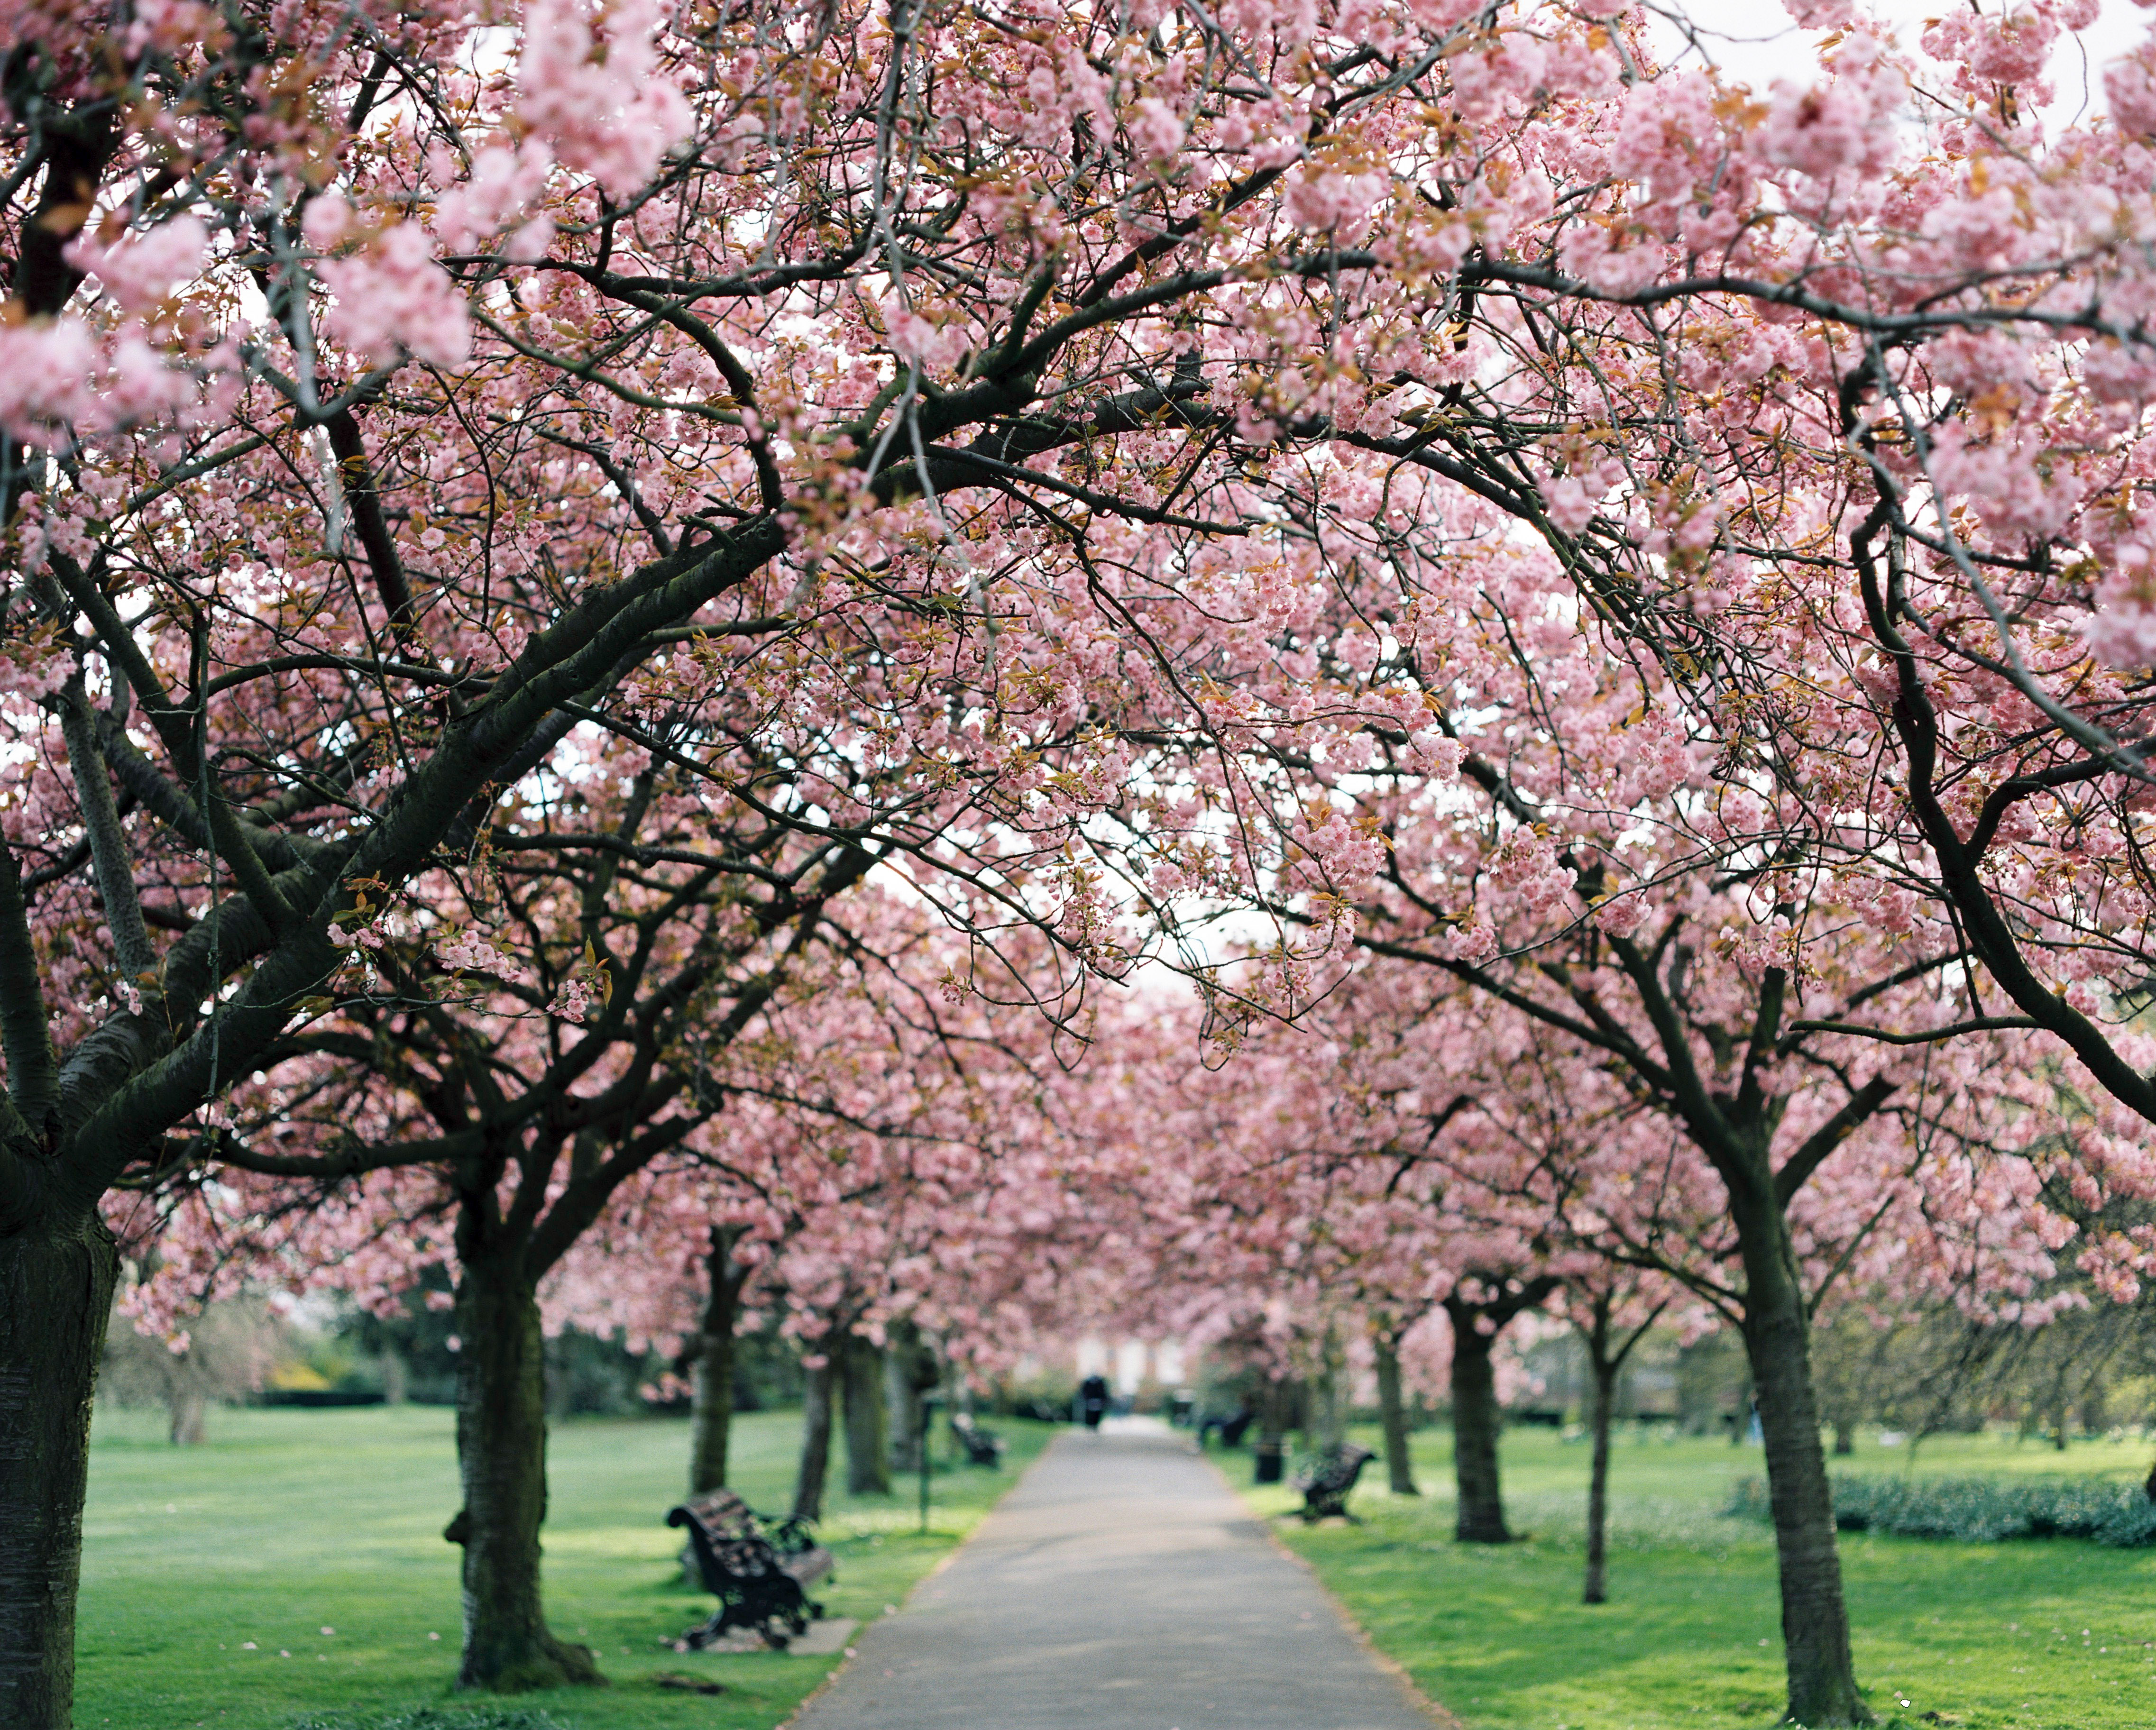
(1120, 1583)
(1093, 1399)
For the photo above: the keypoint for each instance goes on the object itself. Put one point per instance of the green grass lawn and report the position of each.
(211, 1575)
(2038, 1635)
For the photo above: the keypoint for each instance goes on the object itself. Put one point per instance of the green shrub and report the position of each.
(1981, 1510)
(488, 1717)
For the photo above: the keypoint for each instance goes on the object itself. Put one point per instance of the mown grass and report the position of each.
(2052, 1634)
(211, 1575)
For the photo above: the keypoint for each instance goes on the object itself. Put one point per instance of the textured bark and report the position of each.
(815, 1441)
(501, 1458)
(1604, 1395)
(1475, 1426)
(867, 1462)
(1392, 1411)
(1822, 1674)
(55, 1296)
(711, 1419)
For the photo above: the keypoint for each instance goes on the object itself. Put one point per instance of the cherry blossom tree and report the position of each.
(1106, 434)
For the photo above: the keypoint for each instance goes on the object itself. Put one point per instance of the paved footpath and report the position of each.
(1119, 1587)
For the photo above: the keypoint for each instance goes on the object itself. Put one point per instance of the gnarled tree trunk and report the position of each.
(55, 1296)
(711, 1419)
(501, 1458)
(1392, 1411)
(868, 1463)
(816, 1436)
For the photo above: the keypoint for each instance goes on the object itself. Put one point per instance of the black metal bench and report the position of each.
(758, 1566)
(983, 1447)
(1326, 1480)
(1232, 1428)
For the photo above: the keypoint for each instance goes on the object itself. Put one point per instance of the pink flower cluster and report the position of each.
(602, 103)
(393, 297)
(139, 269)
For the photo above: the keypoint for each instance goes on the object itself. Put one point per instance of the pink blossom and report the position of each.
(2129, 87)
(138, 270)
(1847, 123)
(1157, 128)
(1324, 198)
(604, 106)
(326, 220)
(2122, 630)
(394, 295)
(1566, 503)
(502, 183)
(45, 371)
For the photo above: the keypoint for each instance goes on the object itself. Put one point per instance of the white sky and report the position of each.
(1754, 41)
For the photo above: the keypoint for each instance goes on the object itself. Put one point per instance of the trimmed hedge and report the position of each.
(1981, 1510)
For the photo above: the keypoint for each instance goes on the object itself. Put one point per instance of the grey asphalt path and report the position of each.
(1119, 1587)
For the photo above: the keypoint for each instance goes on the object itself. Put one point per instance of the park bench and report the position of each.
(759, 1567)
(1232, 1428)
(983, 1447)
(1326, 1481)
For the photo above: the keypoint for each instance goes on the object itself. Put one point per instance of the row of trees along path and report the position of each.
(520, 535)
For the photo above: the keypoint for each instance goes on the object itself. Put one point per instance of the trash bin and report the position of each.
(1271, 1460)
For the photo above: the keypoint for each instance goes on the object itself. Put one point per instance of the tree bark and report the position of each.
(868, 1462)
(909, 1371)
(501, 1458)
(1604, 1391)
(1822, 1674)
(815, 1436)
(1475, 1424)
(1392, 1410)
(187, 1405)
(55, 1298)
(711, 1417)
(1329, 1413)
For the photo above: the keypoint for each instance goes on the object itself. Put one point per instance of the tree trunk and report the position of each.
(55, 1298)
(868, 1463)
(501, 1458)
(1822, 1675)
(187, 1405)
(1845, 1435)
(711, 1417)
(1267, 1465)
(815, 1436)
(1475, 1424)
(1328, 1395)
(909, 1371)
(1393, 1412)
(1604, 1393)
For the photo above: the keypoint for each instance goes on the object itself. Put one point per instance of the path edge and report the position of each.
(846, 1657)
(1439, 1716)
